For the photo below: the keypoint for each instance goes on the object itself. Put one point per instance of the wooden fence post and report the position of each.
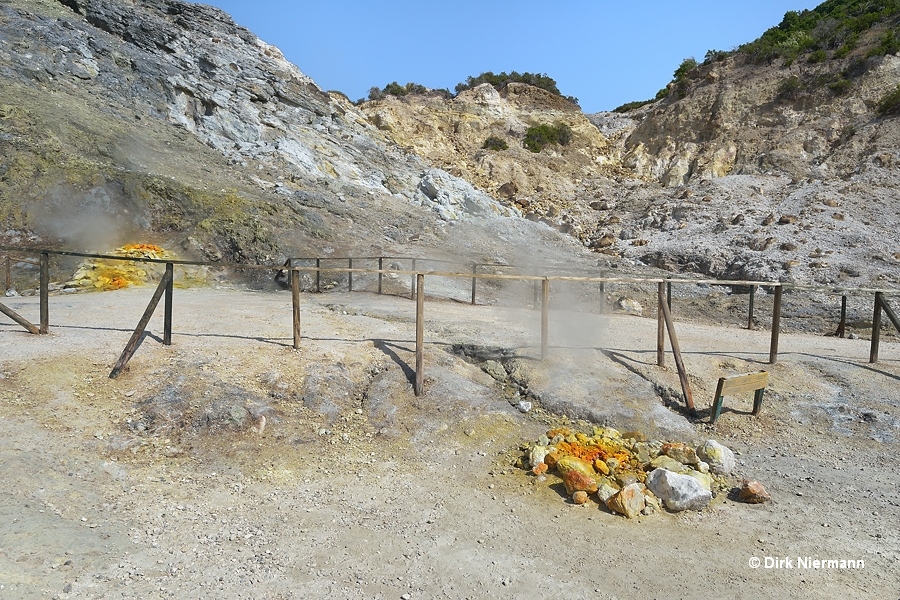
(752, 303)
(474, 272)
(545, 317)
(350, 275)
(843, 324)
(660, 327)
(380, 274)
(412, 283)
(318, 275)
(669, 295)
(602, 297)
(776, 326)
(876, 329)
(167, 309)
(45, 293)
(676, 350)
(420, 334)
(295, 303)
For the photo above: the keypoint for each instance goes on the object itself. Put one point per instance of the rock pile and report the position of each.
(629, 474)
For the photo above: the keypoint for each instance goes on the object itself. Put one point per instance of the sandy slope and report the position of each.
(158, 485)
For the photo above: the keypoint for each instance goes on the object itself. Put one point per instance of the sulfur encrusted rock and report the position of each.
(720, 458)
(628, 501)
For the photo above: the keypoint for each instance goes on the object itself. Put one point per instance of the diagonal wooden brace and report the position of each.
(165, 286)
(19, 319)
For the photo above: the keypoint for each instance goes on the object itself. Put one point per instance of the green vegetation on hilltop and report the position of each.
(395, 89)
(834, 27)
(499, 80)
(832, 30)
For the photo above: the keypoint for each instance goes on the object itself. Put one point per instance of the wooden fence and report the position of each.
(665, 321)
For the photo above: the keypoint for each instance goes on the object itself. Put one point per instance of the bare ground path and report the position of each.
(167, 482)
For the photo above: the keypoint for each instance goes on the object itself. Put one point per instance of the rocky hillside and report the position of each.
(166, 122)
(169, 122)
(757, 163)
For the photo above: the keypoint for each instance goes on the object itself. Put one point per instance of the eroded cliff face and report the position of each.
(742, 118)
(557, 185)
(167, 117)
(737, 174)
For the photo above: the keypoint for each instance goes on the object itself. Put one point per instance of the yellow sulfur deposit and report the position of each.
(100, 274)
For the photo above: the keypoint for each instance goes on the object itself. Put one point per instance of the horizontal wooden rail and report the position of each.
(833, 290)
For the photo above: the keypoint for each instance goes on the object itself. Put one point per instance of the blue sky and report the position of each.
(603, 53)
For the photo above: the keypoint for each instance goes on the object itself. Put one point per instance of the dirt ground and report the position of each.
(229, 465)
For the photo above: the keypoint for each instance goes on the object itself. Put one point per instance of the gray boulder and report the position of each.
(678, 492)
(719, 458)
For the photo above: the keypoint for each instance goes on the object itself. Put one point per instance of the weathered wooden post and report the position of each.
(318, 275)
(18, 319)
(413, 281)
(474, 272)
(676, 350)
(420, 334)
(752, 303)
(132, 344)
(842, 326)
(660, 327)
(876, 329)
(669, 295)
(545, 317)
(776, 325)
(45, 293)
(602, 297)
(167, 309)
(350, 275)
(295, 302)
(380, 274)
(892, 317)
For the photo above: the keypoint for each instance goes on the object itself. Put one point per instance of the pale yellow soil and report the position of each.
(362, 490)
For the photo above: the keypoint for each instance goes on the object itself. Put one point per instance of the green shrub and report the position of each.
(889, 44)
(395, 89)
(539, 136)
(630, 106)
(686, 66)
(715, 56)
(840, 87)
(890, 103)
(495, 143)
(789, 89)
(817, 56)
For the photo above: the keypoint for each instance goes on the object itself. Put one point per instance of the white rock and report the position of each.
(678, 492)
(720, 458)
(524, 406)
(537, 454)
